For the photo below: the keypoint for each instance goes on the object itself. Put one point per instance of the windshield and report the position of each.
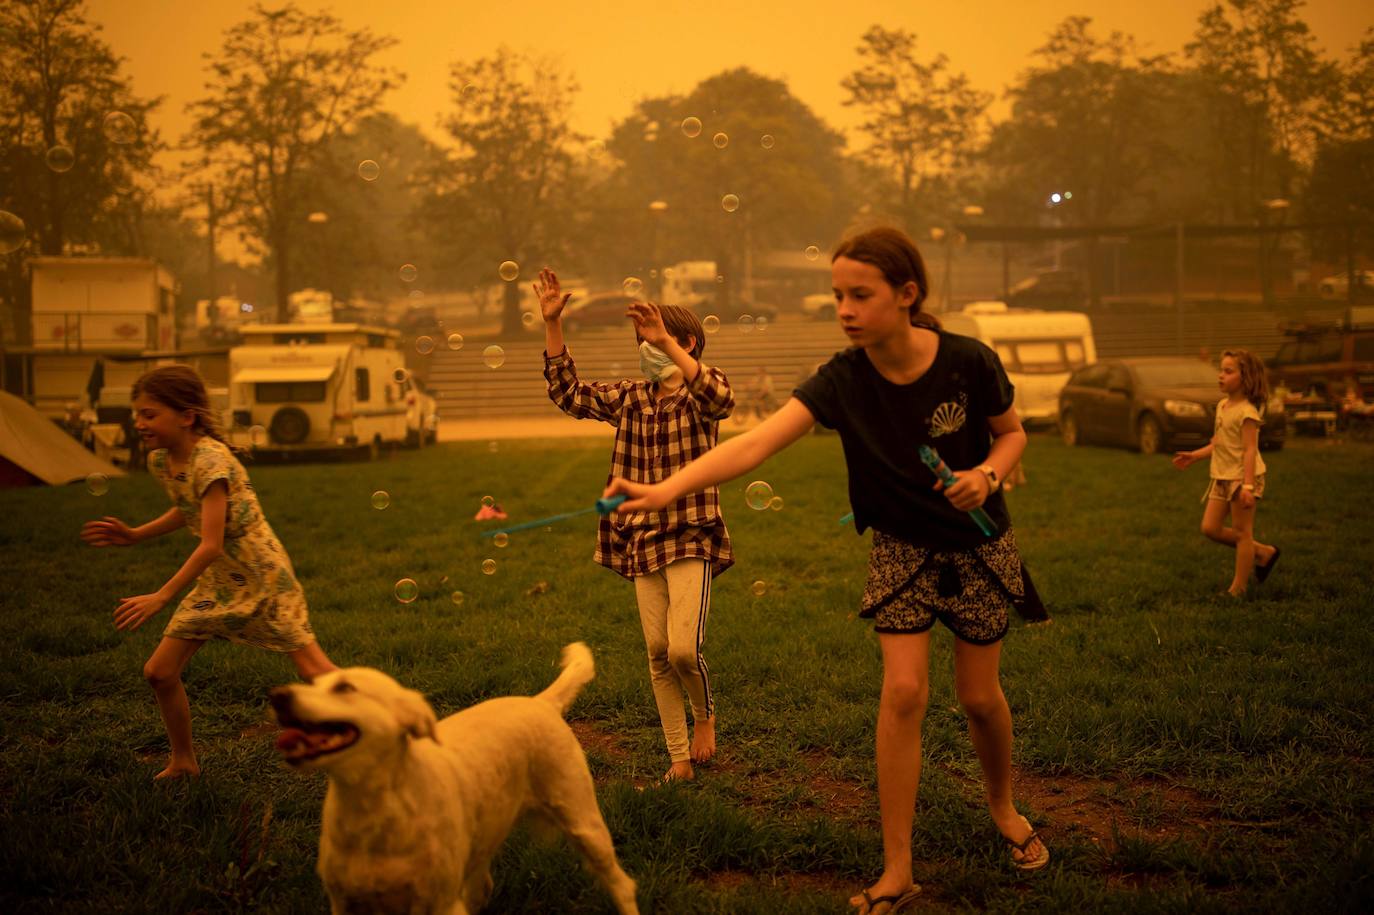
(1174, 374)
(1040, 357)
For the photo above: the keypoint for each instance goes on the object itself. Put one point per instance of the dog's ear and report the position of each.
(415, 714)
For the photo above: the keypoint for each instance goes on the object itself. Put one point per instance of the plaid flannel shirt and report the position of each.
(654, 439)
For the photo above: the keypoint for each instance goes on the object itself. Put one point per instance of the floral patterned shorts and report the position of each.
(909, 587)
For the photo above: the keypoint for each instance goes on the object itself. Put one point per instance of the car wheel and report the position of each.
(1149, 435)
(1068, 429)
(289, 426)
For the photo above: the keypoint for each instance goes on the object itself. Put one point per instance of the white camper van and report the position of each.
(1039, 350)
(325, 388)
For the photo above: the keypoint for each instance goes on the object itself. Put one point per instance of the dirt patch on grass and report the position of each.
(596, 740)
(789, 883)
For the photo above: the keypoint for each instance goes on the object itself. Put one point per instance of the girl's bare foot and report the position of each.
(703, 739)
(680, 771)
(179, 768)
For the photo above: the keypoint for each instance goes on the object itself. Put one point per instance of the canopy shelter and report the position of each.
(33, 449)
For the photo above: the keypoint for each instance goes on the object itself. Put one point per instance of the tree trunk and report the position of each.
(510, 309)
(282, 277)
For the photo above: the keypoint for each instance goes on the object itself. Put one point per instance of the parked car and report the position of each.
(1153, 404)
(601, 309)
(1338, 286)
(819, 305)
(1326, 369)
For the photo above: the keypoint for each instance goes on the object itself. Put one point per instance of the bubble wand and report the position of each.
(602, 507)
(941, 470)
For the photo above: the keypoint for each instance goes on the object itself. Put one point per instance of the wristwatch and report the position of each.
(993, 482)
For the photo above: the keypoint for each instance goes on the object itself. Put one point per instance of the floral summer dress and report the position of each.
(250, 593)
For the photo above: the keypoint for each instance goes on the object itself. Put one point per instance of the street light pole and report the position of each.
(656, 211)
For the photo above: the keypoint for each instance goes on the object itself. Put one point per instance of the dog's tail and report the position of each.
(578, 671)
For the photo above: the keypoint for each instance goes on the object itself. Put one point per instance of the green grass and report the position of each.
(1184, 753)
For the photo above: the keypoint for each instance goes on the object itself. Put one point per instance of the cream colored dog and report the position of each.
(416, 809)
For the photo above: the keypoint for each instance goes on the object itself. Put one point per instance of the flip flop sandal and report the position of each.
(895, 902)
(1262, 572)
(1025, 862)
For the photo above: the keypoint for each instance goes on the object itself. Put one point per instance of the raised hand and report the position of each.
(648, 322)
(552, 299)
(108, 531)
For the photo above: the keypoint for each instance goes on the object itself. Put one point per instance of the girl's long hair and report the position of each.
(895, 254)
(180, 388)
(1253, 381)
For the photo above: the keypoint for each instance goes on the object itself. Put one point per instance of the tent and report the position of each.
(34, 450)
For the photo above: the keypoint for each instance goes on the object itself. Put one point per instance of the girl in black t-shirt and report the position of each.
(904, 383)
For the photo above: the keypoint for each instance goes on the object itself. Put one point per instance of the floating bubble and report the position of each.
(488, 501)
(812, 252)
(720, 141)
(257, 436)
(408, 273)
(455, 342)
(470, 90)
(494, 356)
(501, 539)
(746, 324)
(667, 273)
(719, 279)
(381, 499)
(616, 368)
(60, 159)
(493, 446)
(118, 127)
(488, 566)
(509, 271)
(760, 324)
(757, 495)
(710, 324)
(424, 345)
(528, 319)
(653, 273)
(319, 216)
(775, 503)
(12, 232)
(400, 375)
(729, 203)
(457, 597)
(416, 294)
(407, 590)
(632, 286)
(97, 484)
(369, 170)
(766, 141)
(691, 127)
(759, 588)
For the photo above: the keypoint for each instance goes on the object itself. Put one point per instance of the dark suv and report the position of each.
(1150, 403)
(1322, 370)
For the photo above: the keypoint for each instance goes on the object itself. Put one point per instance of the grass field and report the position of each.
(1184, 753)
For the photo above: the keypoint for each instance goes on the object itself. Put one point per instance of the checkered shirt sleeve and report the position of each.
(654, 440)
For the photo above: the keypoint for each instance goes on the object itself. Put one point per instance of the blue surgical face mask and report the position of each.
(655, 363)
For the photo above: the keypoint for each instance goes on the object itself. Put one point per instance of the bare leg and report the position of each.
(1242, 528)
(311, 661)
(163, 673)
(1213, 518)
(902, 708)
(989, 728)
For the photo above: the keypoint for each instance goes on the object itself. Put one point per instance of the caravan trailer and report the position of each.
(1038, 349)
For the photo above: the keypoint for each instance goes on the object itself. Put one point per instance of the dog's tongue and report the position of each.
(289, 738)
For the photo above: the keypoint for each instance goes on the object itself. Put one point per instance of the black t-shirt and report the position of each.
(882, 425)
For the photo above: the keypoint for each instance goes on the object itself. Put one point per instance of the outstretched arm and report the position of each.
(132, 612)
(726, 461)
(110, 531)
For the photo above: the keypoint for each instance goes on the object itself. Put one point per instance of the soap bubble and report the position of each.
(407, 590)
(424, 345)
(729, 203)
(653, 273)
(757, 495)
(60, 159)
(766, 141)
(457, 597)
(493, 446)
(720, 140)
(812, 252)
(759, 587)
(469, 91)
(720, 278)
(381, 499)
(632, 286)
(775, 503)
(408, 273)
(400, 375)
(494, 356)
(119, 128)
(257, 436)
(691, 127)
(369, 170)
(761, 323)
(455, 342)
(509, 271)
(501, 539)
(416, 294)
(12, 232)
(528, 319)
(488, 566)
(488, 501)
(746, 324)
(710, 324)
(97, 484)
(616, 368)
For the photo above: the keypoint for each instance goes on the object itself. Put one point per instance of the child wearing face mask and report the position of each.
(663, 422)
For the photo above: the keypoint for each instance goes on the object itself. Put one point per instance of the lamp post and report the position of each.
(656, 210)
(1276, 205)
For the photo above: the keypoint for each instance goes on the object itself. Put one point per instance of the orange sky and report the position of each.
(622, 51)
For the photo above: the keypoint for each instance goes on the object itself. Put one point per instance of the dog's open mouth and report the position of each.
(303, 740)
